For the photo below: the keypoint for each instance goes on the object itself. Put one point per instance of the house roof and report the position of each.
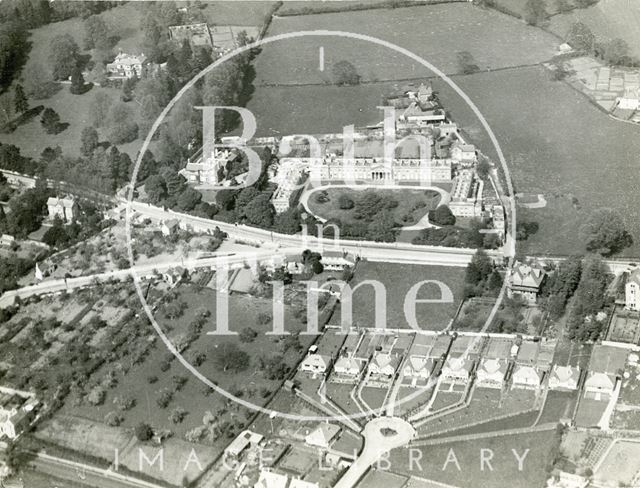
(383, 359)
(526, 275)
(458, 364)
(420, 363)
(493, 366)
(565, 374)
(316, 360)
(607, 359)
(323, 434)
(523, 374)
(298, 483)
(634, 276)
(129, 59)
(347, 363)
(171, 223)
(269, 479)
(66, 202)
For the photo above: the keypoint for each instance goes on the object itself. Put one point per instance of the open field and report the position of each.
(590, 412)
(607, 19)
(462, 27)
(398, 280)
(413, 204)
(621, 464)
(505, 474)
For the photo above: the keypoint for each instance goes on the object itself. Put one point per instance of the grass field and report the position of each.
(607, 19)
(621, 464)
(409, 204)
(397, 280)
(461, 27)
(590, 412)
(559, 404)
(505, 473)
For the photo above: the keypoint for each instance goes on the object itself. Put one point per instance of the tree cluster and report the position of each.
(614, 52)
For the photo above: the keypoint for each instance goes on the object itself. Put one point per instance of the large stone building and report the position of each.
(208, 171)
(126, 65)
(17, 411)
(466, 195)
(377, 170)
(65, 208)
(288, 177)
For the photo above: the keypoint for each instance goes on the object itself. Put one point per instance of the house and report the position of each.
(465, 153)
(497, 216)
(269, 479)
(17, 411)
(448, 129)
(337, 261)
(491, 373)
(383, 365)
(564, 377)
(315, 363)
(168, 227)
(208, 171)
(347, 366)
(525, 280)
(418, 367)
(632, 291)
(126, 66)
(65, 208)
(323, 436)
(298, 483)
(457, 369)
(605, 368)
(528, 377)
(466, 195)
(243, 441)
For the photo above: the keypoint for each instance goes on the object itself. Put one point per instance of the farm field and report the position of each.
(398, 280)
(412, 204)
(505, 474)
(462, 27)
(607, 19)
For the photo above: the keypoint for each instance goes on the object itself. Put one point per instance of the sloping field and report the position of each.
(435, 32)
(607, 19)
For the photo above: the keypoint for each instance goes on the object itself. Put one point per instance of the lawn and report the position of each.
(374, 397)
(397, 280)
(621, 464)
(554, 140)
(340, 394)
(495, 41)
(505, 473)
(559, 405)
(590, 412)
(607, 19)
(412, 204)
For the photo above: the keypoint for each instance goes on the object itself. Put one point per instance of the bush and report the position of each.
(442, 216)
(96, 396)
(113, 419)
(345, 203)
(144, 432)
(248, 334)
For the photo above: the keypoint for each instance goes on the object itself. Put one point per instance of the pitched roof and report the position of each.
(347, 364)
(323, 434)
(66, 202)
(526, 275)
(493, 366)
(634, 276)
(420, 363)
(316, 360)
(269, 479)
(523, 374)
(565, 373)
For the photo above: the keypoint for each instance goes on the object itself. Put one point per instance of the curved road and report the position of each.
(376, 444)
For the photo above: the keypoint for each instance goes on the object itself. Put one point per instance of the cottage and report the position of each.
(347, 366)
(323, 436)
(64, 208)
(418, 367)
(564, 377)
(525, 280)
(457, 369)
(315, 363)
(632, 291)
(526, 377)
(605, 368)
(491, 373)
(126, 66)
(168, 227)
(383, 365)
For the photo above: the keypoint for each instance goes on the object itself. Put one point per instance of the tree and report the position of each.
(479, 269)
(260, 211)
(467, 63)
(535, 12)
(77, 82)
(605, 233)
(63, 56)
(88, 141)
(177, 415)
(344, 73)
(96, 396)
(344, 202)
(50, 120)
(96, 33)
(616, 52)
(122, 128)
(20, 100)
(484, 168)
(580, 37)
(381, 228)
(144, 432)
(562, 6)
(229, 357)
(442, 215)
(188, 199)
(248, 334)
